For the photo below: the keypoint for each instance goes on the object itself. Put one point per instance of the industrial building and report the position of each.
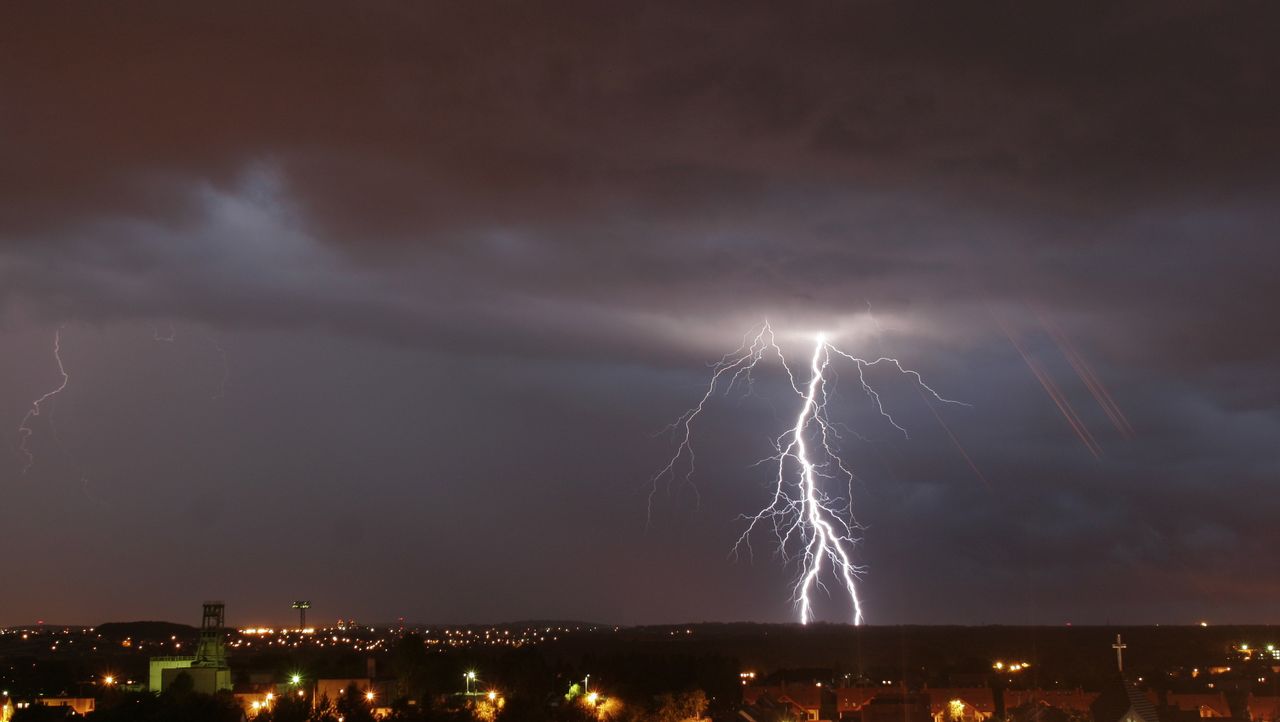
(207, 668)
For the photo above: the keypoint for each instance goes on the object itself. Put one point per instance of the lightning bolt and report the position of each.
(812, 525)
(24, 429)
(172, 334)
(226, 367)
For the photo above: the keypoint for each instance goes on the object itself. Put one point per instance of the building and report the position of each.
(897, 707)
(767, 709)
(1204, 705)
(1123, 701)
(158, 665)
(332, 690)
(205, 680)
(1068, 700)
(851, 700)
(80, 705)
(207, 668)
(1263, 708)
(808, 701)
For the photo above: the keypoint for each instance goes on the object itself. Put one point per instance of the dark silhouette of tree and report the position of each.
(40, 713)
(353, 706)
(680, 708)
(178, 703)
(287, 708)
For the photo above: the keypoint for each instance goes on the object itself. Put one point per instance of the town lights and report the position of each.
(369, 696)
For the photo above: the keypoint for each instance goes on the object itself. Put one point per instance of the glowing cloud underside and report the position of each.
(812, 525)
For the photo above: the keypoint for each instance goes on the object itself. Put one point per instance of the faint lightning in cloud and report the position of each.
(811, 524)
(226, 368)
(24, 429)
(964, 453)
(171, 334)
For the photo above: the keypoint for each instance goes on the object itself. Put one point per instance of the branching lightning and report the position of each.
(812, 525)
(24, 428)
(168, 337)
(171, 335)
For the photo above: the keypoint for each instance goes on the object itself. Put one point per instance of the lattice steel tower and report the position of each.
(212, 650)
(302, 606)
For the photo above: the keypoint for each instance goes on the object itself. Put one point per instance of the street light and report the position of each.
(295, 679)
(369, 695)
(467, 679)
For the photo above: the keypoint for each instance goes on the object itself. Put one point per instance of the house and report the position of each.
(766, 708)
(851, 700)
(1206, 705)
(1123, 701)
(80, 705)
(897, 707)
(809, 701)
(1263, 708)
(1068, 700)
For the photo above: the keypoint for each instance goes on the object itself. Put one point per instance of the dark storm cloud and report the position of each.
(608, 145)
(599, 189)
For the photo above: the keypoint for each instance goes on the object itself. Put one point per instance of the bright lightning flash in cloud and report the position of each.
(813, 524)
(24, 428)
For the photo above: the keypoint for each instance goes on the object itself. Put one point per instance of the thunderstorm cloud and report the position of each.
(437, 272)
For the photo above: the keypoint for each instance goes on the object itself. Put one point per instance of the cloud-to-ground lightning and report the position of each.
(24, 429)
(812, 524)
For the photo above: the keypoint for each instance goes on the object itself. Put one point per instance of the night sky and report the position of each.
(435, 274)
